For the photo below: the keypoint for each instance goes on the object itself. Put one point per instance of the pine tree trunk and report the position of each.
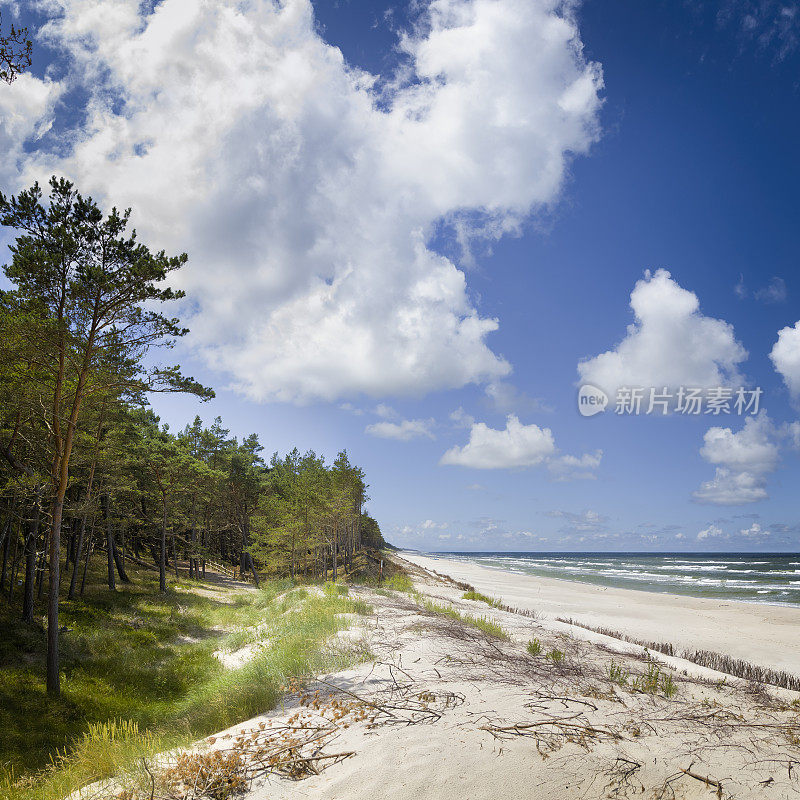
(119, 560)
(53, 677)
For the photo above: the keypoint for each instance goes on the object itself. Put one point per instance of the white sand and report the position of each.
(724, 731)
(519, 726)
(766, 635)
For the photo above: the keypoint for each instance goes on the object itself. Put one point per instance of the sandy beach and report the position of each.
(767, 635)
(462, 700)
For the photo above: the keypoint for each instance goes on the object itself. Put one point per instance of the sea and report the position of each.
(751, 577)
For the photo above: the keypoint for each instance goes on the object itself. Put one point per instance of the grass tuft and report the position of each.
(399, 582)
(534, 647)
(485, 624)
(482, 598)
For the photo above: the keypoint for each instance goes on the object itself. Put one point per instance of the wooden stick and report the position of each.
(706, 780)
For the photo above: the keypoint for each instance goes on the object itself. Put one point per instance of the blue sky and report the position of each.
(409, 225)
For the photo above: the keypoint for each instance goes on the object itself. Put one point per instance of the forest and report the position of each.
(89, 475)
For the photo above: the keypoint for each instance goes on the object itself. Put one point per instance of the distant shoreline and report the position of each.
(762, 578)
(767, 634)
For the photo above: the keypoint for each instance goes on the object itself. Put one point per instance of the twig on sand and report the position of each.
(704, 779)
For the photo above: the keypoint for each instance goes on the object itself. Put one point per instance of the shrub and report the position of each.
(534, 647)
(399, 582)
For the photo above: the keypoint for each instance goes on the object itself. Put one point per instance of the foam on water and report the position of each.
(753, 577)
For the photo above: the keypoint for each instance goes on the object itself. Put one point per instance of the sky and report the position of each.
(415, 231)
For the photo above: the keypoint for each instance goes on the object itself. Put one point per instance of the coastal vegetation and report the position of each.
(112, 525)
(721, 662)
(147, 672)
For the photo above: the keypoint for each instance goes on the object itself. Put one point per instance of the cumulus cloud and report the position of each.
(755, 531)
(711, 532)
(669, 344)
(515, 446)
(743, 461)
(404, 430)
(305, 190)
(785, 356)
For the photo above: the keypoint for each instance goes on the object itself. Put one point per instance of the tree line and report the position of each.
(86, 468)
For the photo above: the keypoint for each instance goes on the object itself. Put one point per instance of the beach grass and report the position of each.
(719, 662)
(482, 623)
(482, 598)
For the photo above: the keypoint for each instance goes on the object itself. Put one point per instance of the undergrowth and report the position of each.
(139, 674)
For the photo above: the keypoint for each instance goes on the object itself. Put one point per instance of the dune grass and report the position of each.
(482, 598)
(399, 582)
(485, 624)
(139, 674)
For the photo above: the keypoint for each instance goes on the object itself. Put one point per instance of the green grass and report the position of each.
(485, 624)
(482, 598)
(147, 661)
(618, 674)
(399, 582)
(654, 681)
(534, 647)
(556, 656)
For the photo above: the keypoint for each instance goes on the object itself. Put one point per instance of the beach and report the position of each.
(466, 700)
(767, 635)
(456, 696)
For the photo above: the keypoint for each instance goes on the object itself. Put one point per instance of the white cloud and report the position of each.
(711, 532)
(755, 531)
(670, 343)
(306, 191)
(785, 357)
(518, 446)
(26, 114)
(515, 446)
(744, 460)
(404, 430)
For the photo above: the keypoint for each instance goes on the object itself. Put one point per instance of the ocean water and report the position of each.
(752, 577)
